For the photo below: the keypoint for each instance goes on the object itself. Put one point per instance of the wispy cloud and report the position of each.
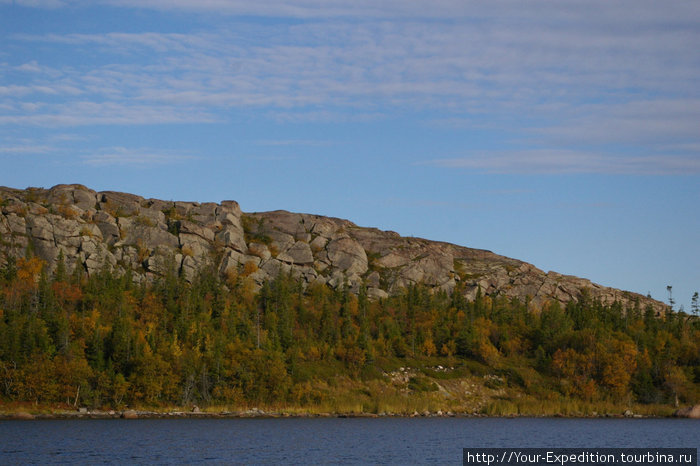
(37, 3)
(119, 42)
(20, 91)
(415, 64)
(68, 137)
(272, 158)
(294, 142)
(133, 157)
(25, 149)
(106, 113)
(563, 10)
(659, 121)
(584, 73)
(572, 162)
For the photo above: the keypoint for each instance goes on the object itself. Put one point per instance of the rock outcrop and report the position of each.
(93, 230)
(691, 412)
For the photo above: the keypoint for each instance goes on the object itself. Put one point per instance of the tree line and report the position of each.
(109, 340)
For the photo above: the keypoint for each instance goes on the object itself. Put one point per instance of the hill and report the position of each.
(112, 301)
(124, 231)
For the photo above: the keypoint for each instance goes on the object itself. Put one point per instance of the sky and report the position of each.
(562, 133)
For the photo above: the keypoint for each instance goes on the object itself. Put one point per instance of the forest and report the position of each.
(107, 341)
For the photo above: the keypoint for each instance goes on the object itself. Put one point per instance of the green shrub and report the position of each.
(422, 384)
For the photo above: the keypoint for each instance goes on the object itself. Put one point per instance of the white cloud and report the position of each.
(25, 149)
(36, 3)
(66, 137)
(19, 91)
(404, 61)
(572, 162)
(599, 11)
(120, 42)
(31, 67)
(584, 72)
(133, 157)
(293, 142)
(108, 113)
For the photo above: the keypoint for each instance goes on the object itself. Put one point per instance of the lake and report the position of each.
(324, 440)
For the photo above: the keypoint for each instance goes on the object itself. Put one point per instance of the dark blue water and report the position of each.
(318, 441)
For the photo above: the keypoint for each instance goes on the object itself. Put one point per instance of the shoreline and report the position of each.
(258, 414)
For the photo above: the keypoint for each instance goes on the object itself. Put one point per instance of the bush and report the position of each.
(422, 384)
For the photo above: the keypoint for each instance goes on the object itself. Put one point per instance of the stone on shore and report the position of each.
(129, 414)
(691, 412)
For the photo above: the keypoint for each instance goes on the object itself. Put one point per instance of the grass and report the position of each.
(568, 407)
(403, 387)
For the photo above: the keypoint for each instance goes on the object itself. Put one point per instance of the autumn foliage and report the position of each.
(106, 341)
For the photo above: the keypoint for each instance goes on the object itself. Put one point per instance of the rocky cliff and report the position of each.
(97, 229)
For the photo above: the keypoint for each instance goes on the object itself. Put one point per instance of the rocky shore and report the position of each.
(258, 413)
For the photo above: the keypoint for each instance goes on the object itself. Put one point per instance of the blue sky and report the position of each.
(565, 134)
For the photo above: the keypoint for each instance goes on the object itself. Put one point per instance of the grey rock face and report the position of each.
(347, 255)
(299, 253)
(149, 236)
(233, 238)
